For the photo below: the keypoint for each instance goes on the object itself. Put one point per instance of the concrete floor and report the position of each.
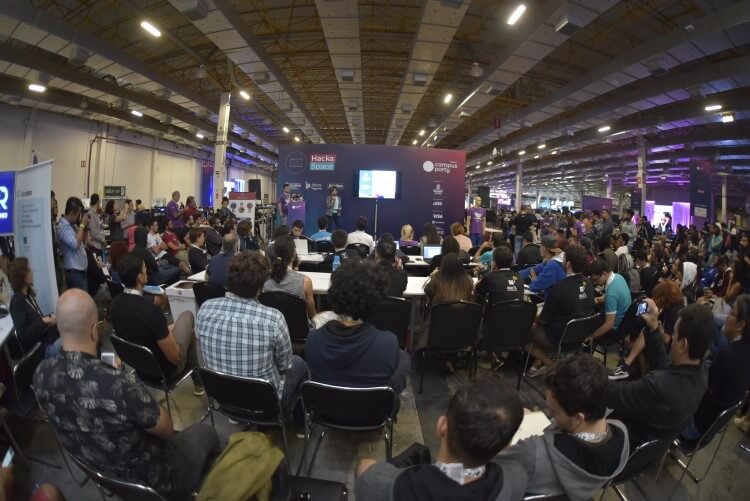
(339, 452)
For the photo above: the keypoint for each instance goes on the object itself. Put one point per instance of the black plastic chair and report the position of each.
(411, 250)
(114, 289)
(393, 314)
(206, 290)
(324, 246)
(347, 409)
(643, 457)
(308, 266)
(575, 333)
(109, 486)
(630, 326)
(453, 328)
(362, 249)
(689, 448)
(246, 399)
(147, 368)
(317, 489)
(506, 326)
(294, 310)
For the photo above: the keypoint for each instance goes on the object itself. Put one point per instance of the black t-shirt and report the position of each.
(523, 222)
(397, 280)
(140, 321)
(530, 254)
(669, 316)
(501, 285)
(600, 459)
(572, 297)
(428, 482)
(649, 277)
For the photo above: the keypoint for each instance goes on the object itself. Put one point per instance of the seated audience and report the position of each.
(197, 254)
(649, 274)
(360, 236)
(546, 274)
(213, 237)
(616, 298)
(385, 257)
(322, 234)
(241, 337)
(728, 374)
(621, 244)
(464, 242)
(430, 236)
(450, 282)
(481, 419)
(719, 285)
(606, 252)
(32, 325)
(407, 236)
(157, 274)
(248, 241)
(582, 450)
(339, 239)
(530, 253)
(284, 278)
(350, 351)
(401, 258)
(218, 267)
(449, 245)
(661, 403)
(140, 321)
(483, 255)
(280, 231)
(570, 298)
(108, 419)
(298, 229)
(501, 284)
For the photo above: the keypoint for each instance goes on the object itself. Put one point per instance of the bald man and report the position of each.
(217, 269)
(173, 211)
(108, 418)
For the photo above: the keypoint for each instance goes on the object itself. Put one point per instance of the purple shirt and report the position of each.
(476, 220)
(284, 200)
(172, 210)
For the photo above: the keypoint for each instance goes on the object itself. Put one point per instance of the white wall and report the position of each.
(235, 172)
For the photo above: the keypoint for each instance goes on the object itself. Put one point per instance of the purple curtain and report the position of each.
(680, 214)
(650, 211)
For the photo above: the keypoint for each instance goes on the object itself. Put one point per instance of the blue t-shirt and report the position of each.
(486, 258)
(617, 299)
(320, 236)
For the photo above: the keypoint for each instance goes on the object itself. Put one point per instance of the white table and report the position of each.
(181, 297)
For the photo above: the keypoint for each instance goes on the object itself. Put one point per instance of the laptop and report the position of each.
(300, 245)
(430, 251)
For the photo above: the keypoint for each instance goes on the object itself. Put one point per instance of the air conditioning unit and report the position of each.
(195, 10)
(347, 75)
(655, 66)
(407, 108)
(568, 24)
(420, 79)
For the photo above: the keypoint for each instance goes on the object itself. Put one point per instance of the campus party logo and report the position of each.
(323, 161)
(444, 167)
(7, 191)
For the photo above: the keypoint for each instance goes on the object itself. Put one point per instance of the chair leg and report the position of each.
(315, 452)
(710, 463)
(282, 425)
(169, 407)
(388, 436)
(305, 445)
(17, 447)
(619, 493)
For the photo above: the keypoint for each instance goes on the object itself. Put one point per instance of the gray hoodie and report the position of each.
(550, 472)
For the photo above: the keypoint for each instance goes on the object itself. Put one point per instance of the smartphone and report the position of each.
(8, 459)
(108, 357)
(642, 308)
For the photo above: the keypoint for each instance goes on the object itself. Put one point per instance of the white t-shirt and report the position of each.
(153, 239)
(360, 237)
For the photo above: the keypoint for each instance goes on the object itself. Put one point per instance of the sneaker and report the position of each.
(198, 389)
(620, 372)
(741, 423)
(538, 371)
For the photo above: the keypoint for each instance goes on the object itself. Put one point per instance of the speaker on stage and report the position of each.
(484, 192)
(254, 185)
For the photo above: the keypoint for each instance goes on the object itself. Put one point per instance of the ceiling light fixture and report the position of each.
(713, 107)
(37, 87)
(536, 156)
(516, 14)
(489, 162)
(541, 146)
(727, 117)
(285, 129)
(245, 95)
(199, 135)
(604, 128)
(136, 113)
(153, 30)
(448, 98)
(296, 139)
(476, 167)
(422, 132)
(521, 153)
(414, 142)
(554, 152)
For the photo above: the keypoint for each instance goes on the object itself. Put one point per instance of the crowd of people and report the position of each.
(688, 356)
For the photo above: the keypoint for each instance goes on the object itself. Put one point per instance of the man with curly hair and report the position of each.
(350, 351)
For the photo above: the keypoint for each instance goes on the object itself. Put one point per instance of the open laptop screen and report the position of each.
(430, 251)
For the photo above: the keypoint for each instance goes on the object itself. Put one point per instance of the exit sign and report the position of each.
(114, 191)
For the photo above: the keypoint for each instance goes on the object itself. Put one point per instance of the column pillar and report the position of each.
(220, 148)
(609, 186)
(642, 174)
(154, 161)
(724, 199)
(519, 186)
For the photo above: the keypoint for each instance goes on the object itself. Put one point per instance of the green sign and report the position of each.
(114, 191)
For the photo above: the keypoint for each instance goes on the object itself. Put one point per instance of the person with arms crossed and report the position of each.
(333, 208)
(476, 219)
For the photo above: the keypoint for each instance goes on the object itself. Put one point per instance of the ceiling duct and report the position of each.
(569, 23)
(655, 66)
(194, 10)
(420, 79)
(347, 75)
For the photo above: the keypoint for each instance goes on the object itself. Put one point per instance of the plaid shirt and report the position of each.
(241, 337)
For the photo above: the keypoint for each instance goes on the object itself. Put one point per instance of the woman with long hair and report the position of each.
(449, 245)
(450, 282)
(283, 276)
(31, 323)
(430, 236)
(114, 221)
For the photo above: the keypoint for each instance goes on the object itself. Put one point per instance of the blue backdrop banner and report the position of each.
(432, 184)
(700, 189)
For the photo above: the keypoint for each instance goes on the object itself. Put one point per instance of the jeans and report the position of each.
(517, 244)
(294, 376)
(476, 238)
(185, 337)
(691, 432)
(193, 451)
(77, 280)
(334, 220)
(168, 274)
(53, 349)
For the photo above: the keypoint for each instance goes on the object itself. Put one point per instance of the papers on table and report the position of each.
(533, 424)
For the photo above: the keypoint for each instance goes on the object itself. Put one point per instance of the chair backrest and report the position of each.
(507, 325)
(578, 329)
(348, 408)
(247, 394)
(411, 250)
(114, 289)
(454, 325)
(393, 314)
(718, 425)
(362, 249)
(120, 488)
(139, 358)
(324, 246)
(308, 266)
(23, 371)
(642, 457)
(294, 310)
(206, 290)
(630, 324)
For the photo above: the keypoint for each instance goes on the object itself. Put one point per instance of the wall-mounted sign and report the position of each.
(114, 191)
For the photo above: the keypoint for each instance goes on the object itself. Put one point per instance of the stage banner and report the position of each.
(432, 184)
(207, 184)
(700, 189)
(242, 204)
(33, 230)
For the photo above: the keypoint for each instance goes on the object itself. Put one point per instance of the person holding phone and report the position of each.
(333, 208)
(70, 235)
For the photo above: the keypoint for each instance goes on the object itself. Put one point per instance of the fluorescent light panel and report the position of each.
(516, 14)
(245, 95)
(713, 107)
(153, 30)
(37, 87)
(136, 113)
(285, 129)
(604, 128)
(199, 135)
(448, 98)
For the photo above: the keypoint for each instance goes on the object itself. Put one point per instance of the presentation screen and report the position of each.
(378, 184)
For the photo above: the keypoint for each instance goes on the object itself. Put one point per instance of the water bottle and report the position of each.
(336, 263)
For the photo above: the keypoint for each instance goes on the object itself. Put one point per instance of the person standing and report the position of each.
(174, 213)
(70, 232)
(333, 208)
(97, 242)
(476, 219)
(284, 200)
(55, 247)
